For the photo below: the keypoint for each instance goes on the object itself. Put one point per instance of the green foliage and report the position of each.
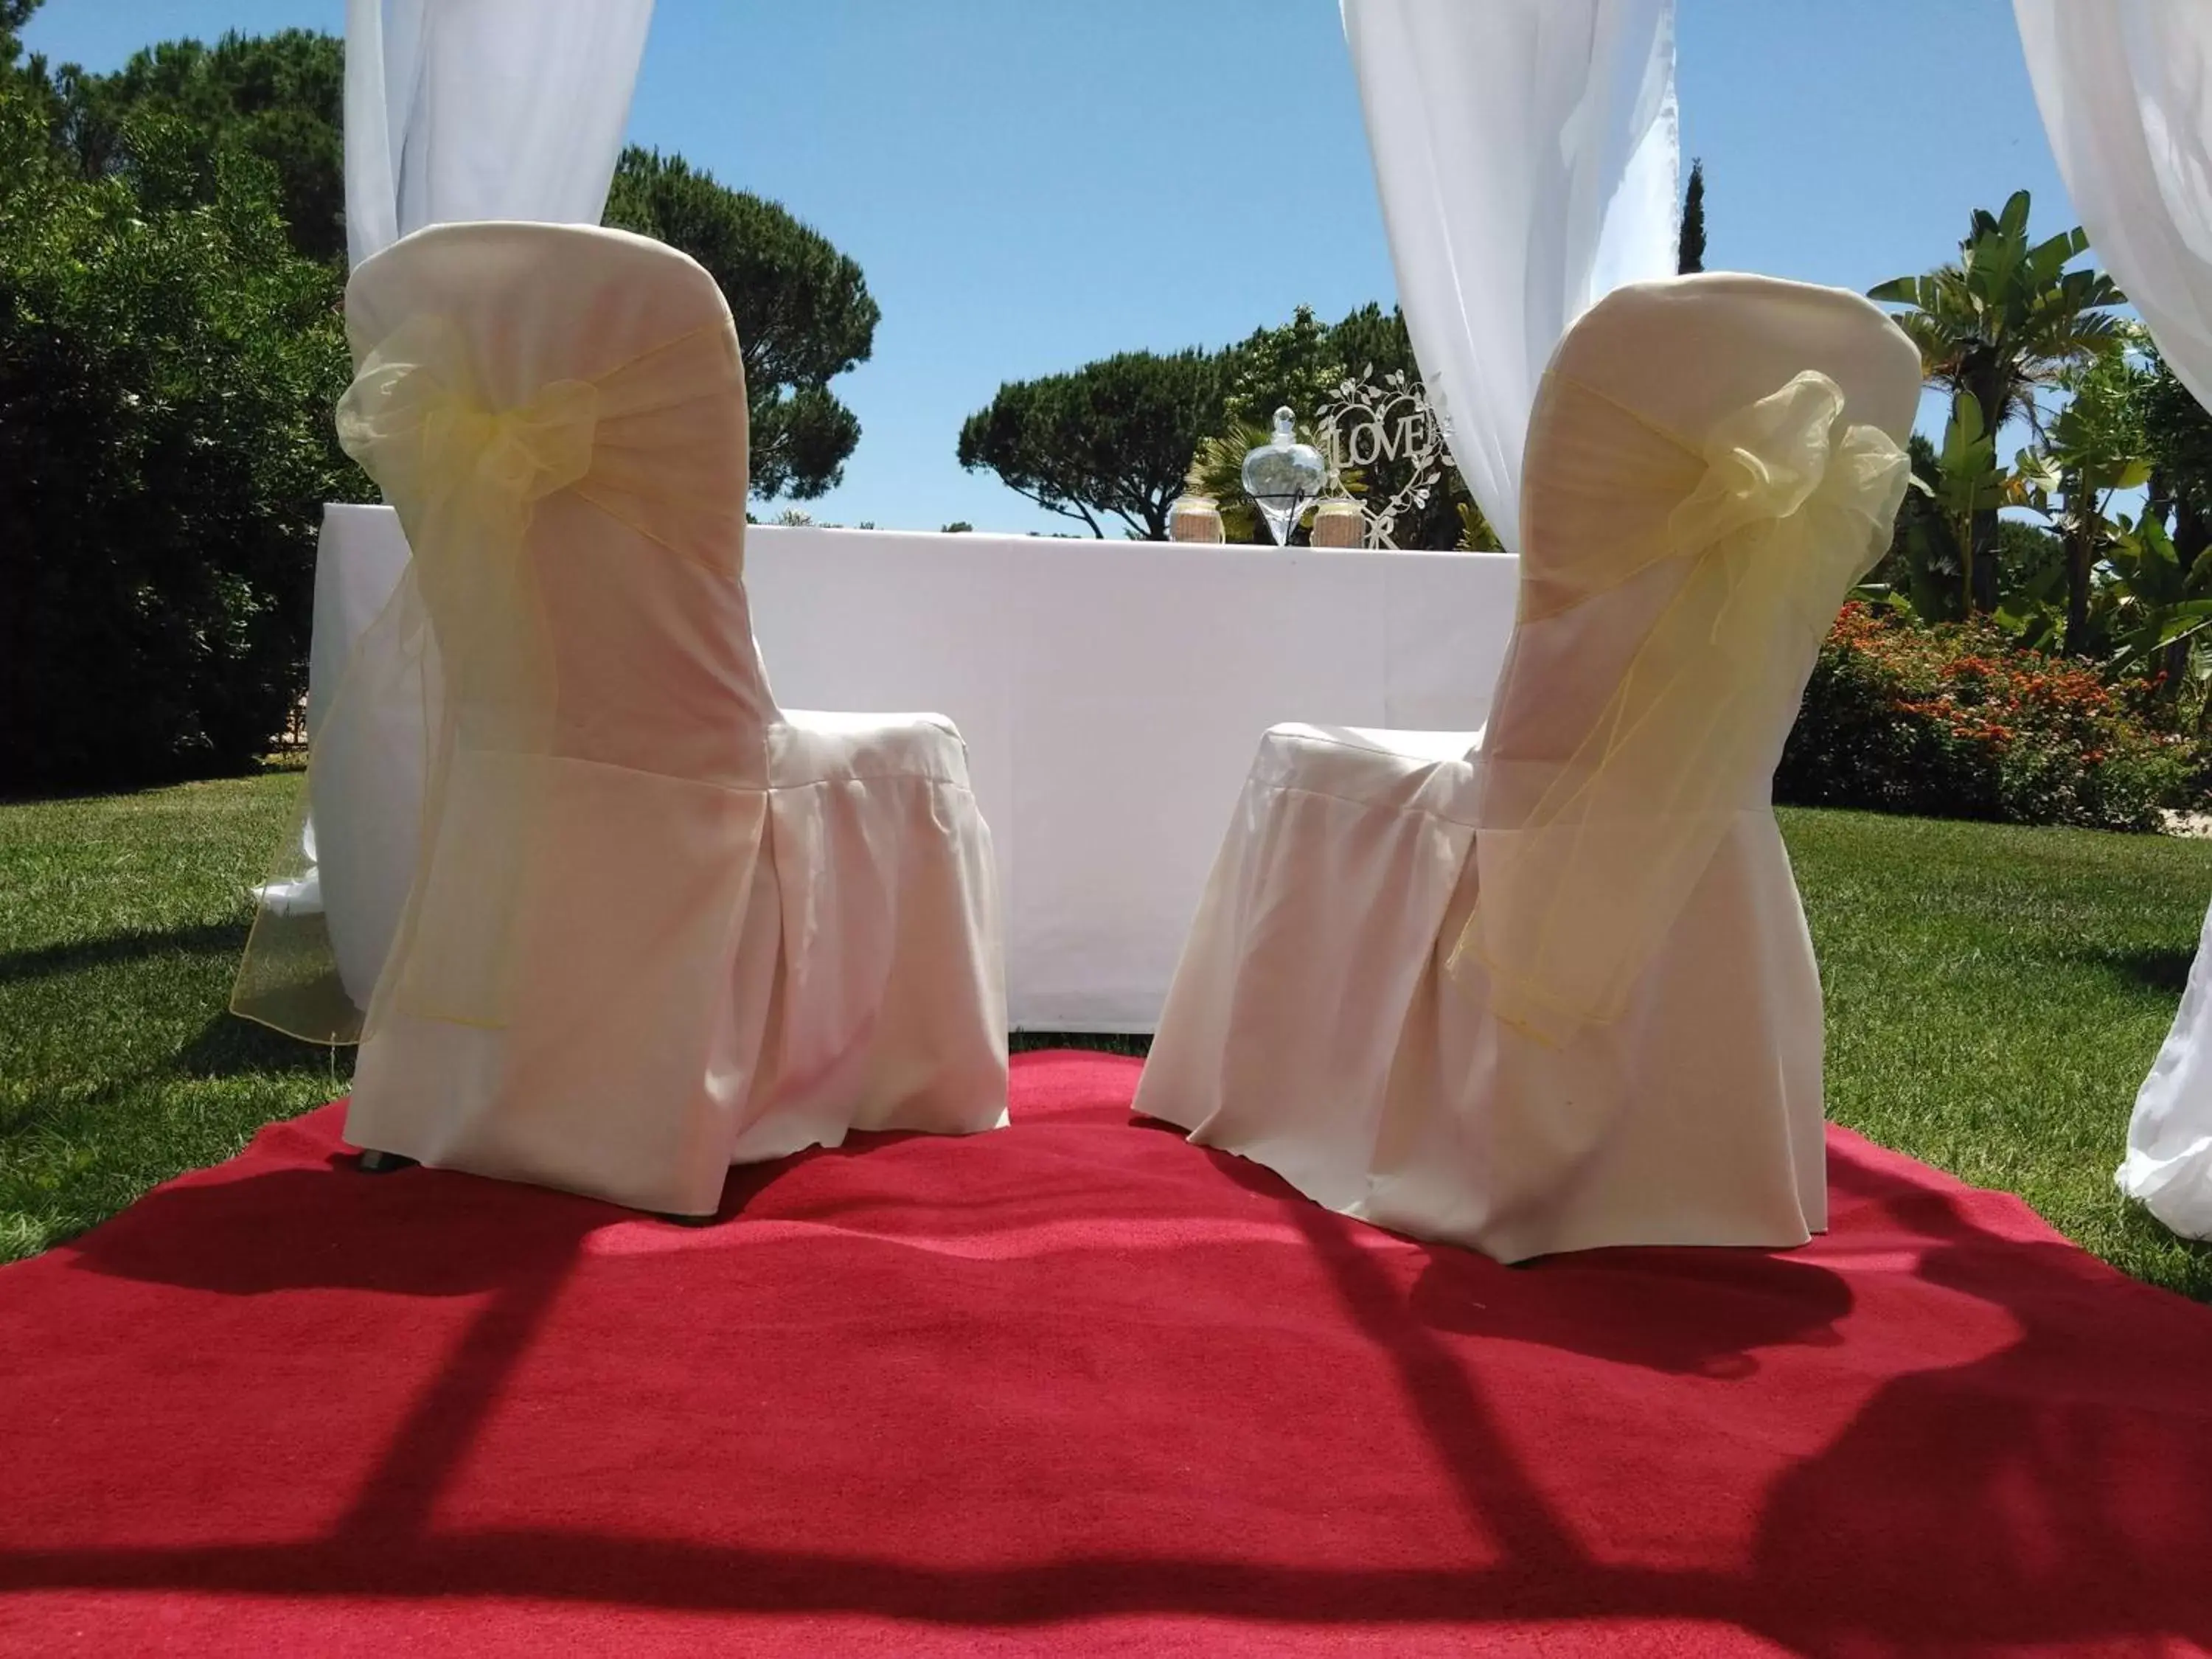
(2127, 595)
(14, 13)
(2176, 431)
(1994, 994)
(2003, 321)
(2152, 601)
(803, 310)
(121, 921)
(1969, 484)
(2093, 447)
(1690, 244)
(1960, 721)
(2032, 562)
(278, 97)
(1921, 573)
(1295, 366)
(1123, 437)
(2176, 435)
(1371, 343)
(2007, 316)
(168, 366)
(172, 242)
(1113, 438)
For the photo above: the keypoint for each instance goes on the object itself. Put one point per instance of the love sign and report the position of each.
(1389, 430)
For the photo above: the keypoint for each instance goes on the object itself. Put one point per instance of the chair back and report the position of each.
(1712, 462)
(581, 390)
(1668, 361)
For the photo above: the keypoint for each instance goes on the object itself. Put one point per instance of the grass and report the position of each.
(1995, 996)
(121, 921)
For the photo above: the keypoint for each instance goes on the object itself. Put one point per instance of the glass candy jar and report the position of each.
(1282, 476)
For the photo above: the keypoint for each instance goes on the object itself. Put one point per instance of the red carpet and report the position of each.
(1078, 1387)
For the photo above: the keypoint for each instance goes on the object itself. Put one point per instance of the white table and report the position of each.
(1111, 693)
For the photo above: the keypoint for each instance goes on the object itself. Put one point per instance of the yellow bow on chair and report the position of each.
(465, 477)
(1577, 894)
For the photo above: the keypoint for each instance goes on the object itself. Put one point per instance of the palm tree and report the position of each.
(1997, 325)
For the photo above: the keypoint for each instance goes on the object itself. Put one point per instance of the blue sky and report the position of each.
(1030, 183)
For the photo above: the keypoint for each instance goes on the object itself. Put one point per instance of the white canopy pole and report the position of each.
(2125, 88)
(1527, 156)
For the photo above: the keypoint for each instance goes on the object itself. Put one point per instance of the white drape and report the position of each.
(2125, 88)
(462, 110)
(1527, 154)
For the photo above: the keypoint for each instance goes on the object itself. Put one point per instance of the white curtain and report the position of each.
(1527, 156)
(483, 109)
(2126, 87)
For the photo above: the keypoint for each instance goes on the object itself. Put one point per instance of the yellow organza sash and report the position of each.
(1577, 891)
(657, 442)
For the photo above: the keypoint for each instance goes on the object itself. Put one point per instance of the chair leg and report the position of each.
(375, 1162)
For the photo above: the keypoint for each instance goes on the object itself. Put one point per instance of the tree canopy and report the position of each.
(14, 13)
(1112, 439)
(1995, 327)
(171, 268)
(168, 365)
(276, 97)
(1296, 364)
(803, 310)
(1123, 437)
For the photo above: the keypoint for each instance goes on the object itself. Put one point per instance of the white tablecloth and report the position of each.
(1112, 695)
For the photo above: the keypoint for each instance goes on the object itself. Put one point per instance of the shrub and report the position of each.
(1956, 721)
(167, 368)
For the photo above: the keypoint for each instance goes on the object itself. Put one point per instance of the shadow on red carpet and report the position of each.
(1079, 1387)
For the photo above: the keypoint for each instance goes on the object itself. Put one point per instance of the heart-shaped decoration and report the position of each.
(1393, 421)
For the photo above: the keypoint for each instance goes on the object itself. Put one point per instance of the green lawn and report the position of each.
(1995, 996)
(121, 920)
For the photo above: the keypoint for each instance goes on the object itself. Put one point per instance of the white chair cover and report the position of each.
(1526, 155)
(655, 925)
(2124, 89)
(1549, 985)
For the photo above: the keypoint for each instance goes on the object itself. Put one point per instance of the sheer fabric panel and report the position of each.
(459, 110)
(2125, 89)
(1526, 152)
